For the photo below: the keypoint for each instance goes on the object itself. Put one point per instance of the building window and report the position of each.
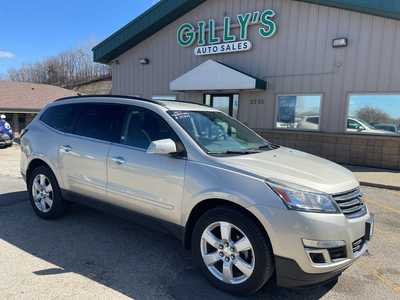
(165, 98)
(374, 114)
(298, 112)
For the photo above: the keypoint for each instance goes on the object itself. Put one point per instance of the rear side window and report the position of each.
(61, 117)
(100, 121)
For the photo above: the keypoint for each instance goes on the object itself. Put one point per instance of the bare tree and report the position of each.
(65, 69)
(372, 114)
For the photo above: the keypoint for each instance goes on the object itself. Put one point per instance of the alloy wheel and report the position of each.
(42, 193)
(227, 252)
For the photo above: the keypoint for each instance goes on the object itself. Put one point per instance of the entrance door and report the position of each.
(227, 103)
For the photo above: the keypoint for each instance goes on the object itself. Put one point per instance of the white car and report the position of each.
(353, 125)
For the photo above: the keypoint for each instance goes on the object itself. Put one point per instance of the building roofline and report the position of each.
(167, 11)
(145, 25)
(381, 8)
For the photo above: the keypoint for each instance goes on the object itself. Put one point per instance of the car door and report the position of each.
(83, 153)
(147, 183)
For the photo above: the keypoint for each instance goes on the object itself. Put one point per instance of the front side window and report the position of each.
(61, 117)
(145, 126)
(374, 114)
(218, 133)
(100, 121)
(298, 112)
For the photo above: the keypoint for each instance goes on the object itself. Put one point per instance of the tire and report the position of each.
(57, 207)
(260, 257)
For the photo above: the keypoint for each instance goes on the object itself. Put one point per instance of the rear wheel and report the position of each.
(45, 194)
(232, 251)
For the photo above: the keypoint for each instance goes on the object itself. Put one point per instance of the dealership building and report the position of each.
(320, 76)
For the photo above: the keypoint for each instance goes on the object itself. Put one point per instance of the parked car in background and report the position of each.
(357, 125)
(309, 123)
(353, 125)
(249, 210)
(6, 133)
(386, 127)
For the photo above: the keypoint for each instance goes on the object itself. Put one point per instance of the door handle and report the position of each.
(118, 160)
(66, 148)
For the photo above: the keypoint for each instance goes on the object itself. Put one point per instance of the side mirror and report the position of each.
(162, 147)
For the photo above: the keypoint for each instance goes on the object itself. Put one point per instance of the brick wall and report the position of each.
(362, 150)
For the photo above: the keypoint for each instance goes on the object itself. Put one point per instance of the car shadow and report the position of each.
(136, 261)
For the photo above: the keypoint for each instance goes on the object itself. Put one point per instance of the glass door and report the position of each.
(228, 103)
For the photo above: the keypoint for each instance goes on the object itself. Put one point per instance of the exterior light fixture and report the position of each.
(340, 43)
(144, 61)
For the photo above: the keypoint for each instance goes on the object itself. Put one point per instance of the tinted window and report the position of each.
(144, 127)
(60, 117)
(100, 121)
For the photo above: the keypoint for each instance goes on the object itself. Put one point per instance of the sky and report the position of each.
(386, 103)
(33, 30)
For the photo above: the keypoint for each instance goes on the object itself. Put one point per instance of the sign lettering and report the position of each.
(208, 41)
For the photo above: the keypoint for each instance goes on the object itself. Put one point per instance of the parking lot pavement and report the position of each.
(91, 254)
(9, 162)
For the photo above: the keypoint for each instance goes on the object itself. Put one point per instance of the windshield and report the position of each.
(217, 133)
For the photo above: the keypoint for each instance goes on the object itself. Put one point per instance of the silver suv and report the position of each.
(249, 210)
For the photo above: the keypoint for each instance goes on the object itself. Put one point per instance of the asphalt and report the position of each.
(93, 254)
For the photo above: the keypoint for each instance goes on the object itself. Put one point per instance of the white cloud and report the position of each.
(6, 55)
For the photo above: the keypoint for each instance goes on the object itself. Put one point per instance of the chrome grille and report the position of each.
(350, 203)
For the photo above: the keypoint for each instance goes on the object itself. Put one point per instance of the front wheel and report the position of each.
(232, 251)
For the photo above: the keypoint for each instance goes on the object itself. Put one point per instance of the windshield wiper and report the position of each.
(269, 146)
(244, 152)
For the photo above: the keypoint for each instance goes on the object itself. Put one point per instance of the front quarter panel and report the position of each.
(205, 181)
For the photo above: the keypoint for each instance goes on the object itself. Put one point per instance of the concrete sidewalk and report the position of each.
(379, 178)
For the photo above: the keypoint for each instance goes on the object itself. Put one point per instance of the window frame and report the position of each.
(321, 105)
(347, 111)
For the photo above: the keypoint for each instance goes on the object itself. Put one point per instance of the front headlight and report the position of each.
(304, 199)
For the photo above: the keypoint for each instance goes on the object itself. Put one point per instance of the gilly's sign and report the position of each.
(204, 34)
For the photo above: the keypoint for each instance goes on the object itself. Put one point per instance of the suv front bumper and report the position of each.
(288, 229)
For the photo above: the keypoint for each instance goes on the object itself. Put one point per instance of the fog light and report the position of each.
(317, 258)
(323, 244)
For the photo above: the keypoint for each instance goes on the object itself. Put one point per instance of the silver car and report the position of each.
(249, 210)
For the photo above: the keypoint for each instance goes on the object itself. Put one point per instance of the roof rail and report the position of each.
(188, 102)
(111, 96)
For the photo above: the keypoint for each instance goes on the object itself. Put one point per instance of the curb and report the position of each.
(380, 186)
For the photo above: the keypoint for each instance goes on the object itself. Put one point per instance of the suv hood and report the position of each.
(296, 167)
